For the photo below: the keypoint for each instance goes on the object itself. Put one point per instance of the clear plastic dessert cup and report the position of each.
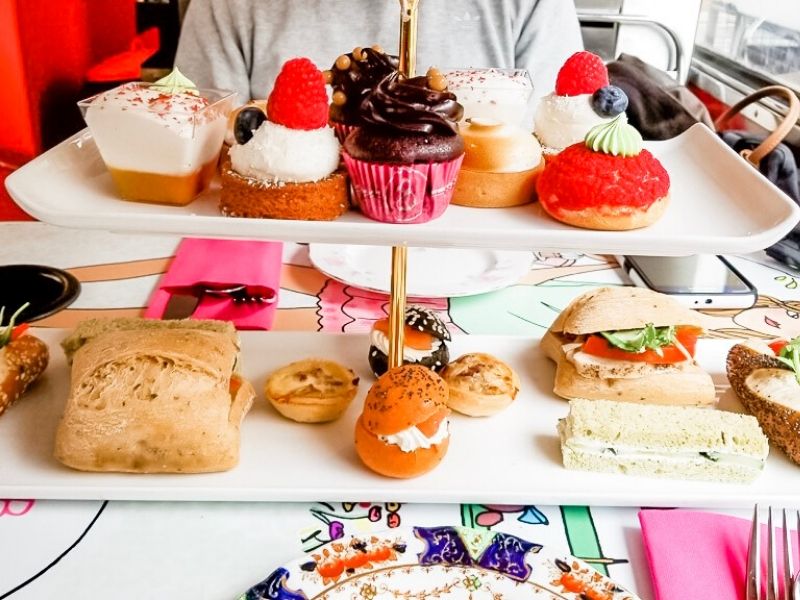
(502, 95)
(159, 147)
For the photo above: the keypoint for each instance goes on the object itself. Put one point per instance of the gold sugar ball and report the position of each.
(343, 62)
(358, 53)
(433, 72)
(328, 76)
(437, 82)
(377, 48)
(339, 98)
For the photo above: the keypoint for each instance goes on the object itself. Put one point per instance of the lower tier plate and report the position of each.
(513, 457)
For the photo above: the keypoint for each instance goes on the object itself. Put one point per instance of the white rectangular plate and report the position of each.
(718, 205)
(513, 457)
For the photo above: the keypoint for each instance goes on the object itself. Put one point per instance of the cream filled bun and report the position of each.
(403, 430)
(501, 164)
(424, 341)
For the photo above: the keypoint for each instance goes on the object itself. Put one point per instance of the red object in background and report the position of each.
(46, 49)
(126, 65)
(716, 107)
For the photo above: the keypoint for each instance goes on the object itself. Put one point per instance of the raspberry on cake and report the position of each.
(582, 99)
(609, 182)
(288, 167)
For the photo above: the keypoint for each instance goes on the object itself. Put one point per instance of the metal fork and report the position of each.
(791, 579)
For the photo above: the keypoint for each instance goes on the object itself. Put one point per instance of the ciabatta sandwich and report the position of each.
(628, 344)
(766, 378)
(153, 397)
(680, 442)
(23, 358)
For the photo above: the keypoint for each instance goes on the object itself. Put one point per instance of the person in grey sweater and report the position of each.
(241, 44)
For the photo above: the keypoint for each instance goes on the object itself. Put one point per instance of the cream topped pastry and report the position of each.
(160, 141)
(424, 340)
(285, 163)
(499, 94)
(582, 100)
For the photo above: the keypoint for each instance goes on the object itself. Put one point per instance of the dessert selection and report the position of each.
(153, 397)
(582, 100)
(662, 441)
(501, 165)
(480, 384)
(766, 378)
(403, 430)
(23, 358)
(311, 390)
(424, 341)
(353, 76)
(501, 95)
(286, 164)
(628, 344)
(160, 141)
(404, 157)
(609, 182)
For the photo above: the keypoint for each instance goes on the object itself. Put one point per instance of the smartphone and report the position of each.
(701, 281)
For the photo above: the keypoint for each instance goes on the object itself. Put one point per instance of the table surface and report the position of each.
(92, 549)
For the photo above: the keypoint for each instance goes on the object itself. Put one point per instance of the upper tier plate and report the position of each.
(718, 205)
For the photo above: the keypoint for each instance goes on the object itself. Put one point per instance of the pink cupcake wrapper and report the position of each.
(342, 131)
(393, 193)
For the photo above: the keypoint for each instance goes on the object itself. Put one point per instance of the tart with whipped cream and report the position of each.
(501, 164)
(160, 141)
(403, 430)
(424, 341)
(582, 99)
(289, 167)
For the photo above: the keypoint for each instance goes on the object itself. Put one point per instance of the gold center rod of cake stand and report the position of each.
(408, 36)
(397, 308)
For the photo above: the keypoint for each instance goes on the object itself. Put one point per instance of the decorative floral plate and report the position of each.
(436, 563)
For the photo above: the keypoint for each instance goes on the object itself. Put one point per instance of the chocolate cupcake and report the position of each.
(404, 159)
(424, 340)
(353, 76)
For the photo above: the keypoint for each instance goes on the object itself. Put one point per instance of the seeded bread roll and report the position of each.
(22, 361)
(153, 400)
(769, 390)
(662, 441)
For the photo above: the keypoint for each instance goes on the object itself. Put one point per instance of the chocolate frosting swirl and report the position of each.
(358, 80)
(410, 106)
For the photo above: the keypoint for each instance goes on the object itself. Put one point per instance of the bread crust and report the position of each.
(154, 401)
(480, 385)
(389, 460)
(690, 387)
(621, 307)
(403, 397)
(22, 361)
(780, 423)
(311, 390)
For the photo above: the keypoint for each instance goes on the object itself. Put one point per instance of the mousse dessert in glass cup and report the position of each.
(160, 141)
(501, 95)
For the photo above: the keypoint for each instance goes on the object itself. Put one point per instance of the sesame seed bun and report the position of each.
(403, 397)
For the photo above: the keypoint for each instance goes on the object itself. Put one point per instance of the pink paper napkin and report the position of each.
(697, 555)
(223, 261)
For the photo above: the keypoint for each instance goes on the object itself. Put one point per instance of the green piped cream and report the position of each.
(616, 137)
(176, 83)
